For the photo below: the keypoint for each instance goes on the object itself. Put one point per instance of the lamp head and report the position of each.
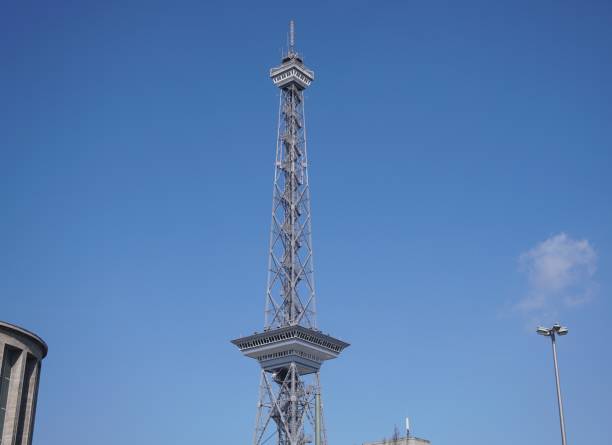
(543, 331)
(561, 330)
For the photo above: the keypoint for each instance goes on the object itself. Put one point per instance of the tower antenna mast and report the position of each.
(291, 36)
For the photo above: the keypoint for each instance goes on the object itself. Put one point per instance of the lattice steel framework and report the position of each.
(291, 349)
(291, 292)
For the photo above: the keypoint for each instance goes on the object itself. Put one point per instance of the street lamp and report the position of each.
(557, 329)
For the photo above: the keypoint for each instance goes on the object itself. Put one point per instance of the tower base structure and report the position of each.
(290, 387)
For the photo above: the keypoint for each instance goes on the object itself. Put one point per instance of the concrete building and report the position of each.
(400, 441)
(21, 353)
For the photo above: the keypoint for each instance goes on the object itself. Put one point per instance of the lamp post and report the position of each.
(552, 332)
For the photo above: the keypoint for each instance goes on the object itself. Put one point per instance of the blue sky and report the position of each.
(460, 169)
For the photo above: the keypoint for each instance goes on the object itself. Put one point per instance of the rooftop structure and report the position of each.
(400, 441)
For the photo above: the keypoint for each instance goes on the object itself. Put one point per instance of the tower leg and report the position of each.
(323, 432)
(260, 409)
(289, 408)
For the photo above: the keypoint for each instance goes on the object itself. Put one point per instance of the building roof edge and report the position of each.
(27, 333)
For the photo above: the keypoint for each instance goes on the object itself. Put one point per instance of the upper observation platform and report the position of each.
(292, 71)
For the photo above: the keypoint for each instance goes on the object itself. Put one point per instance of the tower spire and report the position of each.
(291, 36)
(291, 349)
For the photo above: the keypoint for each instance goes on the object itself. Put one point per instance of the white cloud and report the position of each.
(559, 272)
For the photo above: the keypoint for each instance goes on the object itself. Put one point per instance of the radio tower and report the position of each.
(291, 349)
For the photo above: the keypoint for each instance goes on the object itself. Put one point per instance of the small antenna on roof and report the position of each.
(291, 36)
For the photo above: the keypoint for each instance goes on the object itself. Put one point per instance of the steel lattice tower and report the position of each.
(291, 349)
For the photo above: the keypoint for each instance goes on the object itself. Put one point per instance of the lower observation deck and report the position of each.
(277, 348)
